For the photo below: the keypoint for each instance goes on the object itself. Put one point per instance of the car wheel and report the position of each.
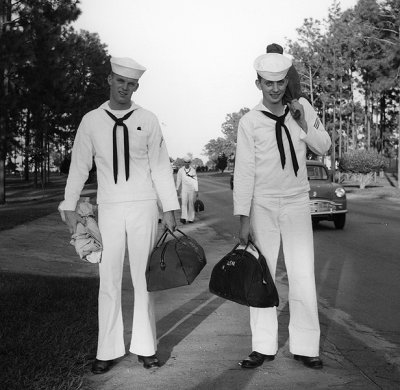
(339, 221)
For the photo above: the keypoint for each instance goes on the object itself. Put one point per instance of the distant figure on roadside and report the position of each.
(293, 90)
(187, 178)
(270, 196)
(133, 171)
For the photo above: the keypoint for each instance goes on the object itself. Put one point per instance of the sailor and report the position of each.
(187, 178)
(271, 198)
(133, 170)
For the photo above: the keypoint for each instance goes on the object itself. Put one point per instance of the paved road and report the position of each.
(357, 273)
(202, 337)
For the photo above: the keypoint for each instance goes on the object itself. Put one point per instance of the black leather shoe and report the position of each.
(183, 220)
(149, 361)
(101, 366)
(311, 362)
(256, 359)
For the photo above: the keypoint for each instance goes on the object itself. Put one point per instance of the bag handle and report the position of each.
(177, 230)
(247, 245)
(262, 264)
(162, 240)
(165, 234)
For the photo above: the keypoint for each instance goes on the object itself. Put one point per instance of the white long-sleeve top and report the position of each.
(150, 168)
(258, 169)
(188, 179)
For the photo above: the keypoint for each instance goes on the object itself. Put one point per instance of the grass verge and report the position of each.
(48, 331)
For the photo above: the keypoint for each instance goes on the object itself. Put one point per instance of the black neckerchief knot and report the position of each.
(280, 122)
(120, 122)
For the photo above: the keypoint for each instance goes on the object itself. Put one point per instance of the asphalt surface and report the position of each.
(201, 338)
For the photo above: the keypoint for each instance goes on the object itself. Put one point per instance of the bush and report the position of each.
(362, 161)
(222, 162)
(362, 165)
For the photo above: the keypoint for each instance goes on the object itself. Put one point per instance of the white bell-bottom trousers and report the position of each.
(133, 224)
(287, 218)
(187, 204)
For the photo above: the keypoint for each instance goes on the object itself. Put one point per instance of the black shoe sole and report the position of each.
(103, 370)
(317, 366)
(152, 365)
(247, 364)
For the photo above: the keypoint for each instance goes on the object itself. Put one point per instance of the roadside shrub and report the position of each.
(222, 162)
(362, 164)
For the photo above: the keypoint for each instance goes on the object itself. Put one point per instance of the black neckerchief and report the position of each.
(120, 122)
(280, 122)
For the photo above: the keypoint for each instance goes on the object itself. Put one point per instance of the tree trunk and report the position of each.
(398, 128)
(382, 121)
(5, 15)
(27, 145)
(340, 119)
(2, 176)
(3, 154)
(333, 155)
(353, 119)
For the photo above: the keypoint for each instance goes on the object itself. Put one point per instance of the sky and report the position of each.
(199, 55)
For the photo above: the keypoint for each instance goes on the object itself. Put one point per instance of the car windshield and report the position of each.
(316, 172)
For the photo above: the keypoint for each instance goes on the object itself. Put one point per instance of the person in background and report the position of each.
(133, 170)
(271, 197)
(187, 178)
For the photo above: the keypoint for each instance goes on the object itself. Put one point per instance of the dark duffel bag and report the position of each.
(175, 262)
(198, 205)
(243, 278)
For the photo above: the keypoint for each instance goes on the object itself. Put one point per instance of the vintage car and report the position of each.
(327, 199)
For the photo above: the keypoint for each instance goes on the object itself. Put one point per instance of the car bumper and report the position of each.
(320, 208)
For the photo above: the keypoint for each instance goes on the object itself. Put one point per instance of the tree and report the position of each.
(227, 144)
(222, 162)
(356, 52)
(216, 147)
(30, 68)
(197, 162)
(230, 126)
(54, 75)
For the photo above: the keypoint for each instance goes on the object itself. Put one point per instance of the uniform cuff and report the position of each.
(67, 205)
(170, 205)
(241, 211)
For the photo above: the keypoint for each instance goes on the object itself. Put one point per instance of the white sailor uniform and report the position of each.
(276, 199)
(127, 215)
(187, 177)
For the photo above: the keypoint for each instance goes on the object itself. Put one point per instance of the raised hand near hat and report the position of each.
(297, 111)
(72, 218)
